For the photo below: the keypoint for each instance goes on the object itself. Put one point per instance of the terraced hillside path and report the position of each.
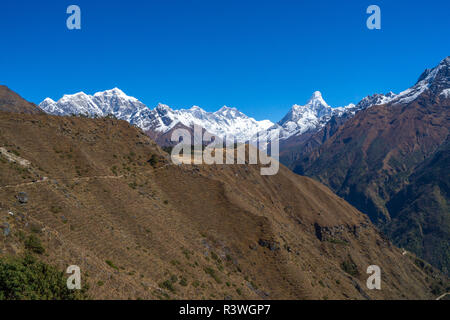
(45, 179)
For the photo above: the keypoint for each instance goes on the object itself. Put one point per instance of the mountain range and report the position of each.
(100, 194)
(367, 153)
(226, 122)
(300, 119)
(162, 119)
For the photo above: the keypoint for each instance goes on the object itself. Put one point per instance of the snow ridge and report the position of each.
(224, 122)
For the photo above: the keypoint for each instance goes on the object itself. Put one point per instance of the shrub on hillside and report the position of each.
(34, 244)
(29, 279)
(153, 160)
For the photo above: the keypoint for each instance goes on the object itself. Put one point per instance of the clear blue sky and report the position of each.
(259, 56)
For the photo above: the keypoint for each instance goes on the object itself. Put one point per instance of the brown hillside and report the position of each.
(12, 102)
(103, 196)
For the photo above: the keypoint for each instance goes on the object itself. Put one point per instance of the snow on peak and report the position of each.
(114, 93)
(376, 99)
(445, 93)
(78, 95)
(113, 101)
(317, 100)
(316, 95)
(230, 113)
(162, 106)
(226, 109)
(48, 100)
(111, 92)
(303, 118)
(115, 90)
(225, 122)
(435, 80)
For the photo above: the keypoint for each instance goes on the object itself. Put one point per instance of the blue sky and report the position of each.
(259, 56)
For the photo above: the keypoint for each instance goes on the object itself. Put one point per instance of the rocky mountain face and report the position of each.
(100, 194)
(383, 158)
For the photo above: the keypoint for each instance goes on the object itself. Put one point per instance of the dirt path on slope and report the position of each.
(46, 179)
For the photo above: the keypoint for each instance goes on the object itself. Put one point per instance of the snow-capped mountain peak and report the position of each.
(375, 99)
(162, 107)
(302, 118)
(436, 80)
(115, 92)
(316, 104)
(48, 100)
(316, 100)
(230, 113)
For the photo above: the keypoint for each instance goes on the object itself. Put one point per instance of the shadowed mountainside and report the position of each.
(372, 161)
